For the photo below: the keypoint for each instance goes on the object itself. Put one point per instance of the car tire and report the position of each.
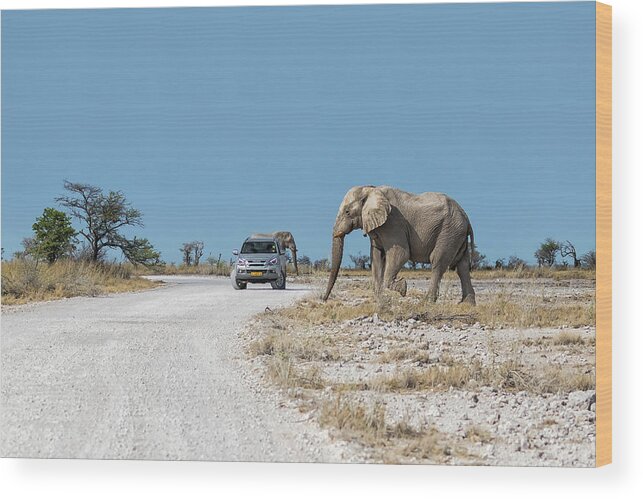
(237, 284)
(280, 283)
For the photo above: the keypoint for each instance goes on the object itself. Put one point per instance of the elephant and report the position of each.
(425, 228)
(286, 241)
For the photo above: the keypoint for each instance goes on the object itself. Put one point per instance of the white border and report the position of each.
(115, 479)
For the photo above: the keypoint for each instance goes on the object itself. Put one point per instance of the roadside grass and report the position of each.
(564, 338)
(280, 343)
(284, 372)
(367, 424)
(218, 269)
(482, 274)
(399, 354)
(354, 300)
(568, 338)
(305, 348)
(508, 376)
(26, 281)
(477, 434)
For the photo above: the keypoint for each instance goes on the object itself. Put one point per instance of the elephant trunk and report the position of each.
(293, 250)
(337, 254)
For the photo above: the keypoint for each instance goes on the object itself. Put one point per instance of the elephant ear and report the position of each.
(375, 211)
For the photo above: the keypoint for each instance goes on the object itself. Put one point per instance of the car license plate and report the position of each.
(256, 274)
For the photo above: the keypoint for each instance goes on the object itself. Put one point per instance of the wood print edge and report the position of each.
(603, 234)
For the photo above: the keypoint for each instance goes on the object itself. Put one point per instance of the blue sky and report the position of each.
(220, 122)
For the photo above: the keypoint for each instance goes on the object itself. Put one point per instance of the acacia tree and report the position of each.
(53, 235)
(186, 249)
(568, 249)
(197, 248)
(546, 253)
(322, 264)
(192, 253)
(103, 217)
(360, 261)
(589, 259)
(478, 260)
(304, 260)
(515, 263)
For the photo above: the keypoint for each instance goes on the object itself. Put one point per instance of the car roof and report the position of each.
(260, 239)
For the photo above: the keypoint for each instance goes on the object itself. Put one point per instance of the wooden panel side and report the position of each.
(603, 234)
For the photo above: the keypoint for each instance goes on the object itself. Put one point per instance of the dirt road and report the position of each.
(150, 375)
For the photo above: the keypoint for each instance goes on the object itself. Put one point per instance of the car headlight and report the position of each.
(242, 262)
(273, 261)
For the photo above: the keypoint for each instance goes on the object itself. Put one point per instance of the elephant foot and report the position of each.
(399, 286)
(469, 300)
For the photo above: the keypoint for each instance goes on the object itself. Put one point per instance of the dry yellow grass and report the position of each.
(405, 353)
(564, 338)
(355, 419)
(306, 348)
(478, 434)
(520, 273)
(432, 445)
(568, 338)
(220, 269)
(353, 302)
(26, 281)
(507, 376)
(282, 371)
(313, 333)
(366, 424)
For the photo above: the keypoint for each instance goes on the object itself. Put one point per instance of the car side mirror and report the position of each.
(235, 252)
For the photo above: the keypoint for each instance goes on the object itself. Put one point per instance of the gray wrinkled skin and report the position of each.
(287, 241)
(424, 228)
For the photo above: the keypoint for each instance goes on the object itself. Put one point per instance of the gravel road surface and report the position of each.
(150, 375)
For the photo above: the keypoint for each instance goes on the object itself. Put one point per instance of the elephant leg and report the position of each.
(463, 269)
(439, 265)
(377, 266)
(437, 271)
(294, 260)
(396, 257)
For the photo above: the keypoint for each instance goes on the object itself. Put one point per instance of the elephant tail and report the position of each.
(472, 247)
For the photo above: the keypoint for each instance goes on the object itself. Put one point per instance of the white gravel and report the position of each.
(150, 375)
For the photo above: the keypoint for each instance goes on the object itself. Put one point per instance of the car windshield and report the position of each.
(259, 247)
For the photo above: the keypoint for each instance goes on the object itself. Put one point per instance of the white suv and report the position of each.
(260, 260)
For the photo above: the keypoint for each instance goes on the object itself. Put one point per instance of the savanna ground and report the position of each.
(509, 382)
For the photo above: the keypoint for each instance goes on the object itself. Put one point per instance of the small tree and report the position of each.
(28, 248)
(546, 254)
(212, 261)
(103, 217)
(140, 252)
(589, 259)
(321, 264)
(515, 263)
(304, 260)
(499, 263)
(477, 259)
(197, 248)
(568, 249)
(187, 249)
(53, 235)
(360, 261)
